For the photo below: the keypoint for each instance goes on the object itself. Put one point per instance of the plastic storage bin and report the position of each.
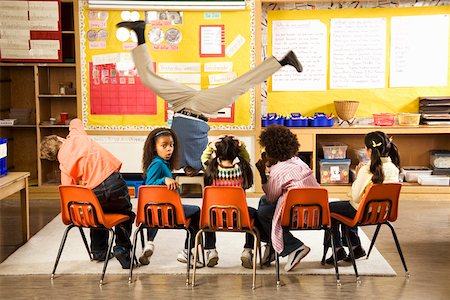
(296, 120)
(272, 118)
(321, 120)
(412, 173)
(334, 171)
(433, 180)
(383, 119)
(133, 187)
(440, 159)
(3, 154)
(408, 119)
(334, 150)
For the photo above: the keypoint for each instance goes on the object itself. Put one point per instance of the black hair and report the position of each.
(280, 143)
(150, 148)
(381, 146)
(228, 149)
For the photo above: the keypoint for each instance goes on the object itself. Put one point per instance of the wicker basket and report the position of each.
(346, 109)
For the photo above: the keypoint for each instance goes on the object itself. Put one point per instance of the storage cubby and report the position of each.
(45, 90)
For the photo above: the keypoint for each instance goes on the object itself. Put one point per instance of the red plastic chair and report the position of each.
(80, 208)
(379, 206)
(224, 208)
(160, 208)
(307, 209)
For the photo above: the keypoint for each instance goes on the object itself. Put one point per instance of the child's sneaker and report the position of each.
(247, 258)
(183, 256)
(295, 256)
(144, 259)
(212, 257)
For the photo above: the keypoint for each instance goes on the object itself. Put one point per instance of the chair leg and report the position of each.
(333, 251)
(61, 247)
(142, 239)
(352, 255)
(197, 237)
(83, 236)
(189, 234)
(277, 268)
(326, 245)
(255, 249)
(110, 243)
(399, 249)
(372, 243)
(133, 253)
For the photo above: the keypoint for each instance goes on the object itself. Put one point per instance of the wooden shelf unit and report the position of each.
(414, 143)
(36, 86)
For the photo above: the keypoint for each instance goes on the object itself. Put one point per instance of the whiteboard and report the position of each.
(129, 149)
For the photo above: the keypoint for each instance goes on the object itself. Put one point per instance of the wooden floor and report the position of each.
(423, 230)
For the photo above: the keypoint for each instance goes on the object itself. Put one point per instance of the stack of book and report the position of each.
(435, 110)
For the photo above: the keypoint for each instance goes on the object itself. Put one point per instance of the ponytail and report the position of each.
(381, 146)
(247, 173)
(211, 171)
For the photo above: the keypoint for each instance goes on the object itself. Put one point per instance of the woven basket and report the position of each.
(346, 109)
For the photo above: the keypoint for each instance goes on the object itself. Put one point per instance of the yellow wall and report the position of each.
(371, 100)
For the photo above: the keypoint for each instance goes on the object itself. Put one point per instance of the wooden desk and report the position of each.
(18, 182)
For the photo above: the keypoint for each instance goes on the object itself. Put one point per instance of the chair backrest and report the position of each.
(306, 208)
(224, 208)
(380, 204)
(159, 207)
(80, 206)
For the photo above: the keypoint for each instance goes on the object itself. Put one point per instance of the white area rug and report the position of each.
(38, 255)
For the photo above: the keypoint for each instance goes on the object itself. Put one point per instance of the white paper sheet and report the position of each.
(14, 5)
(16, 54)
(44, 15)
(14, 43)
(46, 44)
(15, 33)
(218, 67)
(44, 25)
(357, 53)
(235, 45)
(211, 40)
(43, 5)
(14, 14)
(221, 78)
(182, 78)
(14, 24)
(419, 51)
(179, 67)
(103, 59)
(308, 39)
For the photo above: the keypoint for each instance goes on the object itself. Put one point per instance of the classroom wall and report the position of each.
(403, 99)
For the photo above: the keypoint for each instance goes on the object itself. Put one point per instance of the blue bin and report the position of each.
(296, 120)
(3, 154)
(272, 118)
(321, 120)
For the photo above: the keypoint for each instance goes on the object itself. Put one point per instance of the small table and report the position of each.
(18, 182)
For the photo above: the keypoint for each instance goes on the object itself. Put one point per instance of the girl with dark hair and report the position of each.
(160, 157)
(230, 166)
(383, 167)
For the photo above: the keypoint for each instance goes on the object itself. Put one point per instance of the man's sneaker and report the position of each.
(340, 255)
(212, 257)
(295, 256)
(247, 258)
(183, 256)
(268, 256)
(358, 252)
(144, 259)
(123, 256)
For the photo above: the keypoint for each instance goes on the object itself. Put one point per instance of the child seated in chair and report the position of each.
(383, 167)
(84, 162)
(160, 157)
(227, 163)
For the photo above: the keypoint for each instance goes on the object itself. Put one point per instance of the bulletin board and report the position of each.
(113, 97)
(387, 99)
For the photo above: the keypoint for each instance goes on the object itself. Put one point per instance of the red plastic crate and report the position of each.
(383, 119)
